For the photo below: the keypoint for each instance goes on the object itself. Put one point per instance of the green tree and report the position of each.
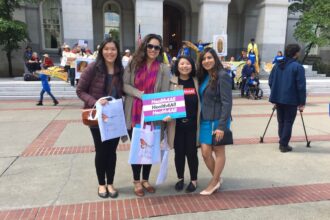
(114, 33)
(313, 26)
(12, 32)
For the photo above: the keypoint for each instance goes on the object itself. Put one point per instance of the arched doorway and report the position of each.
(172, 28)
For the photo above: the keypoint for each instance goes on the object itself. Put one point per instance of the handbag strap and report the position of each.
(90, 117)
(216, 93)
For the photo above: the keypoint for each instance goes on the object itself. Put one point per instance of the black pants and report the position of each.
(72, 75)
(136, 168)
(243, 86)
(105, 157)
(185, 146)
(286, 114)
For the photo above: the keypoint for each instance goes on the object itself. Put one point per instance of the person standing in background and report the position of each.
(287, 83)
(254, 47)
(278, 57)
(126, 58)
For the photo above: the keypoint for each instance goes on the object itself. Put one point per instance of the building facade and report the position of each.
(54, 22)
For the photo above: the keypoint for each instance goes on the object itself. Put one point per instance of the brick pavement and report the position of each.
(43, 145)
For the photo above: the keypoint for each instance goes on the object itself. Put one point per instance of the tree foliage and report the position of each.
(313, 27)
(12, 32)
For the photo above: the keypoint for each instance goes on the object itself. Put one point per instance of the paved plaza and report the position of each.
(47, 169)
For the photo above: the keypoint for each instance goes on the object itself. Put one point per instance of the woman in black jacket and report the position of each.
(216, 101)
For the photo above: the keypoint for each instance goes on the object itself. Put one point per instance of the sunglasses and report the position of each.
(156, 47)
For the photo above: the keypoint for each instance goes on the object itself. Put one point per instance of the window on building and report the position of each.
(51, 24)
(112, 21)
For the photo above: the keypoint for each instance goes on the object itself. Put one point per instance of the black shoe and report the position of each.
(285, 149)
(179, 185)
(56, 102)
(103, 195)
(114, 194)
(191, 188)
(39, 103)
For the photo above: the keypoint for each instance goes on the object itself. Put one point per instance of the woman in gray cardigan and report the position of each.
(145, 74)
(216, 98)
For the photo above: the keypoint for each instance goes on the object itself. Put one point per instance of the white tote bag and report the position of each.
(163, 170)
(114, 125)
(145, 144)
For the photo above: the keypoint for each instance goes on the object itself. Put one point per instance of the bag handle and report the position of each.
(142, 121)
(90, 116)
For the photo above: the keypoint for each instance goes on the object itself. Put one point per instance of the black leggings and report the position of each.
(105, 157)
(185, 146)
(136, 168)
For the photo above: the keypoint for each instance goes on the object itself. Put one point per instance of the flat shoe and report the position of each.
(179, 185)
(103, 195)
(113, 194)
(191, 188)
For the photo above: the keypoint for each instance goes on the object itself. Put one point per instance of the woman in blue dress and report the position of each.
(216, 104)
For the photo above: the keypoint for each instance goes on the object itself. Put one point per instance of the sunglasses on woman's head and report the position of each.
(156, 47)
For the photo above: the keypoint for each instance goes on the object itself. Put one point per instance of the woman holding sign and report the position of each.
(182, 133)
(104, 77)
(216, 101)
(146, 73)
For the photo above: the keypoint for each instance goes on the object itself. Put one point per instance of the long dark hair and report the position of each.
(190, 60)
(140, 56)
(117, 80)
(202, 72)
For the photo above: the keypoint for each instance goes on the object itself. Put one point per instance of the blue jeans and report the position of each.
(49, 93)
(286, 114)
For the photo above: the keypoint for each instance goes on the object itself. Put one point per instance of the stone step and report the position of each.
(37, 88)
(32, 97)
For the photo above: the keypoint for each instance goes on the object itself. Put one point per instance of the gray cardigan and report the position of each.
(217, 102)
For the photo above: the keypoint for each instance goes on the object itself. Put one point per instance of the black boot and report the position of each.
(55, 102)
(39, 103)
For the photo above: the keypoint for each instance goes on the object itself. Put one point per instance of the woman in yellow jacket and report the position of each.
(183, 133)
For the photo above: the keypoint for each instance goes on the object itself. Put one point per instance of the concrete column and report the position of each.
(271, 27)
(213, 16)
(149, 14)
(77, 21)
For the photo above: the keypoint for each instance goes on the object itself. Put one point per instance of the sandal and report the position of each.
(146, 185)
(138, 189)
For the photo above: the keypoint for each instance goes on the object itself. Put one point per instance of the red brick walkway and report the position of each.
(178, 204)
(43, 145)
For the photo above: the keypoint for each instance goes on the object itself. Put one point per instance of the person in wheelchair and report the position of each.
(252, 87)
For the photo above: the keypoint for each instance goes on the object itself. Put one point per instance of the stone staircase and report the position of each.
(314, 86)
(316, 83)
(16, 88)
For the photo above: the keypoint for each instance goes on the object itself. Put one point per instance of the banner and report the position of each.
(81, 64)
(157, 106)
(220, 44)
(55, 71)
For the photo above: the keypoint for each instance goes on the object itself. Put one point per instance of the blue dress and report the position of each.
(207, 127)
